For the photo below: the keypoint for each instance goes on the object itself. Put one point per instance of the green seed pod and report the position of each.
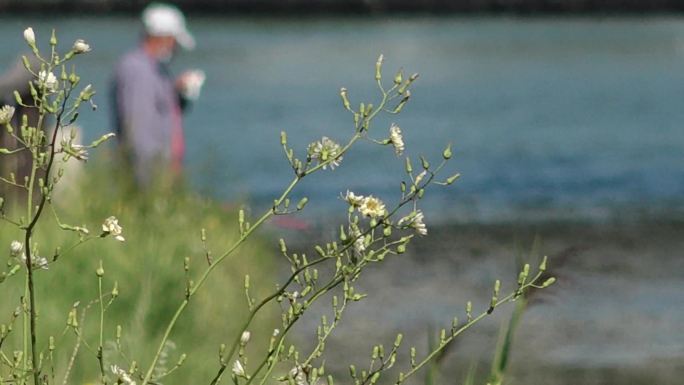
(398, 77)
(283, 138)
(345, 99)
(452, 178)
(549, 282)
(378, 67)
(542, 265)
(408, 166)
(302, 203)
(241, 217)
(446, 154)
(424, 163)
(100, 271)
(397, 341)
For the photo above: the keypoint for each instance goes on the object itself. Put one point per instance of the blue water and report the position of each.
(550, 118)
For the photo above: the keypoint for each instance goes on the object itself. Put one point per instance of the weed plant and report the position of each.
(72, 256)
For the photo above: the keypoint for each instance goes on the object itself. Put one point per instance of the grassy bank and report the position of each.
(161, 229)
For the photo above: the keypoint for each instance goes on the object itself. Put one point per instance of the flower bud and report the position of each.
(302, 203)
(447, 152)
(397, 341)
(409, 167)
(53, 38)
(378, 67)
(100, 271)
(244, 338)
(424, 163)
(181, 360)
(398, 78)
(452, 178)
(549, 282)
(345, 100)
(30, 37)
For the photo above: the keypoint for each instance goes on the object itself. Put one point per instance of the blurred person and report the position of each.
(149, 101)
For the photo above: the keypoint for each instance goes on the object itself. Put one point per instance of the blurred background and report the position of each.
(565, 118)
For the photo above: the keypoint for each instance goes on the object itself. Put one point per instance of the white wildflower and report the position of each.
(244, 338)
(415, 221)
(37, 262)
(79, 152)
(326, 150)
(359, 243)
(80, 46)
(276, 332)
(30, 36)
(396, 139)
(48, 80)
(16, 248)
(6, 114)
(111, 227)
(353, 199)
(298, 375)
(238, 369)
(122, 376)
(372, 207)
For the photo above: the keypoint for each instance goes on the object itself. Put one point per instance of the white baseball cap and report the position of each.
(167, 20)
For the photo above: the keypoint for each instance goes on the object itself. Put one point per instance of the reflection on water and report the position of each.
(579, 118)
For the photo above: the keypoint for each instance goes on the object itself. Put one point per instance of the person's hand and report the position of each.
(190, 82)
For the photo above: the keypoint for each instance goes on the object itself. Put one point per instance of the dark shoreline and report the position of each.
(357, 7)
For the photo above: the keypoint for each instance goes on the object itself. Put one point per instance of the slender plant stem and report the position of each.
(29, 232)
(100, 358)
(510, 297)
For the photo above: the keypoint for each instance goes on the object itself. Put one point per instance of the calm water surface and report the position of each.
(551, 118)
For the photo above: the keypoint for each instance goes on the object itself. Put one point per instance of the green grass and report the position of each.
(161, 229)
